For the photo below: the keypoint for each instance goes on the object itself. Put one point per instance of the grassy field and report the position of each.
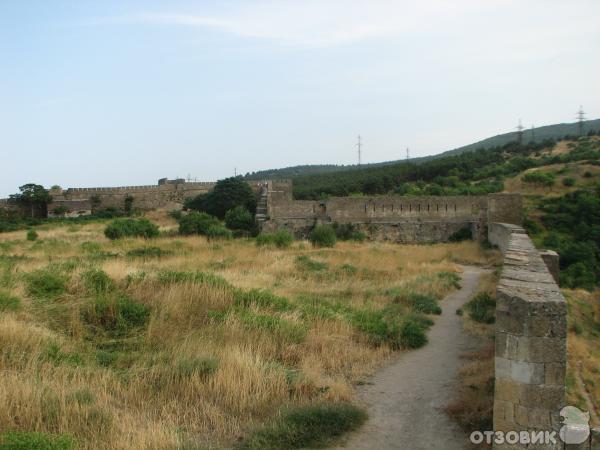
(178, 342)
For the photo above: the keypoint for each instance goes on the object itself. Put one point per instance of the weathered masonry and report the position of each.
(531, 341)
(392, 218)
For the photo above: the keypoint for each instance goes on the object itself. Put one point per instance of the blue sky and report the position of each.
(125, 92)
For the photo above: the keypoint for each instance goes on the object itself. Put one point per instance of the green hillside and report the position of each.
(557, 131)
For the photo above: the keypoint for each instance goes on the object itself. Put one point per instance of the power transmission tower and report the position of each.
(235, 171)
(359, 145)
(407, 154)
(532, 133)
(580, 119)
(520, 129)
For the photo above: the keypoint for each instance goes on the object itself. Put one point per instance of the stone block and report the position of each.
(542, 349)
(527, 372)
(502, 368)
(555, 373)
(542, 396)
(504, 411)
(595, 439)
(508, 390)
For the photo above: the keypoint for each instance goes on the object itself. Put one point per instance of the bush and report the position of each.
(568, 182)
(8, 302)
(176, 214)
(304, 263)
(32, 235)
(44, 283)
(121, 228)
(197, 223)
(306, 427)
(464, 234)
(97, 281)
(218, 232)
(424, 303)
(280, 239)
(226, 195)
(239, 218)
(322, 236)
(412, 334)
(29, 440)
(482, 308)
(147, 252)
(539, 178)
(116, 314)
(348, 232)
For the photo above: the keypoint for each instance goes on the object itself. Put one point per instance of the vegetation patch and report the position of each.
(9, 302)
(29, 440)
(121, 228)
(202, 367)
(97, 281)
(262, 299)
(313, 426)
(322, 236)
(280, 239)
(173, 276)
(116, 314)
(482, 308)
(287, 329)
(147, 252)
(307, 264)
(46, 283)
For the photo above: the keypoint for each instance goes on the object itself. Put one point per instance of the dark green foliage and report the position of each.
(412, 334)
(464, 234)
(147, 252)
(60, 210)
(304, 263)
(215, 232)
(108, 213)
(286, 329)
(482, 308)
(128, 204)
(97, 281)
(34, 198)
(348, 232)
(568, 181)
(172, 276)
(226, 195)
(539, 178)
(424, 303)
(197, 223)
(574, 221)
(532, 227)
(188, 367)
(32, 235)
(9, 302)
(322, 236)
(280, 239)
(121, 228)
(116, 314)
(30, 440)
(46, 283)
(239, 218)
(176, 214)
(313, 426)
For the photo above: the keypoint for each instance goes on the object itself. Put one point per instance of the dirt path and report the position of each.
(405, 399)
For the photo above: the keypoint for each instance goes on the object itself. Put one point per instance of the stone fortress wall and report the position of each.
(394, 218)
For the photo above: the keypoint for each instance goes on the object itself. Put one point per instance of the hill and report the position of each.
(556, 131)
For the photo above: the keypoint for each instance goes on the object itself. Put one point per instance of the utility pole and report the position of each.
(580, 119)
(359, 145)
(520, 129)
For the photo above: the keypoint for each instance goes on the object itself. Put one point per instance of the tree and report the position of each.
(226, 195)
(239, 218)
(34, 197)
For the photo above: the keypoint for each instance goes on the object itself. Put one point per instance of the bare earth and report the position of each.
(405, 399)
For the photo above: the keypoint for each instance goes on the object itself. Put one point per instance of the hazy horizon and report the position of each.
(125, 93)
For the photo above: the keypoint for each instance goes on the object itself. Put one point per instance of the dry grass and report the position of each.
(193, 376)
(583, 343)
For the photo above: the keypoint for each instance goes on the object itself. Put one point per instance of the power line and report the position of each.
(580, 118)
(520, 129)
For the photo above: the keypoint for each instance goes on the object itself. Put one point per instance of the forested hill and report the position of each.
(556, 131)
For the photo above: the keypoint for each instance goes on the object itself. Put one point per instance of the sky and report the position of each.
(118, 92)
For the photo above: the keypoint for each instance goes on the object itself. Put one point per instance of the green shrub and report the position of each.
(176, 214)
(262, 299)
(97, 281)
(121, 228)
(424, 303)
(239, 218)
(412, 334)
(539, 178)
(30, 440)
(197, 223)
(568, 181)
(226, 195)
(531, 226)
(45, 283)
(32, 235)
(210, 279)
(482, 308)
(304, 263)
(322, 236)
(187, 367)
(464, 234)
(147, 252)
(280, 239)
(312, 426)
(118, 314)
(348, 232)
(287, 329)
(218, 232)
(9, 302)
